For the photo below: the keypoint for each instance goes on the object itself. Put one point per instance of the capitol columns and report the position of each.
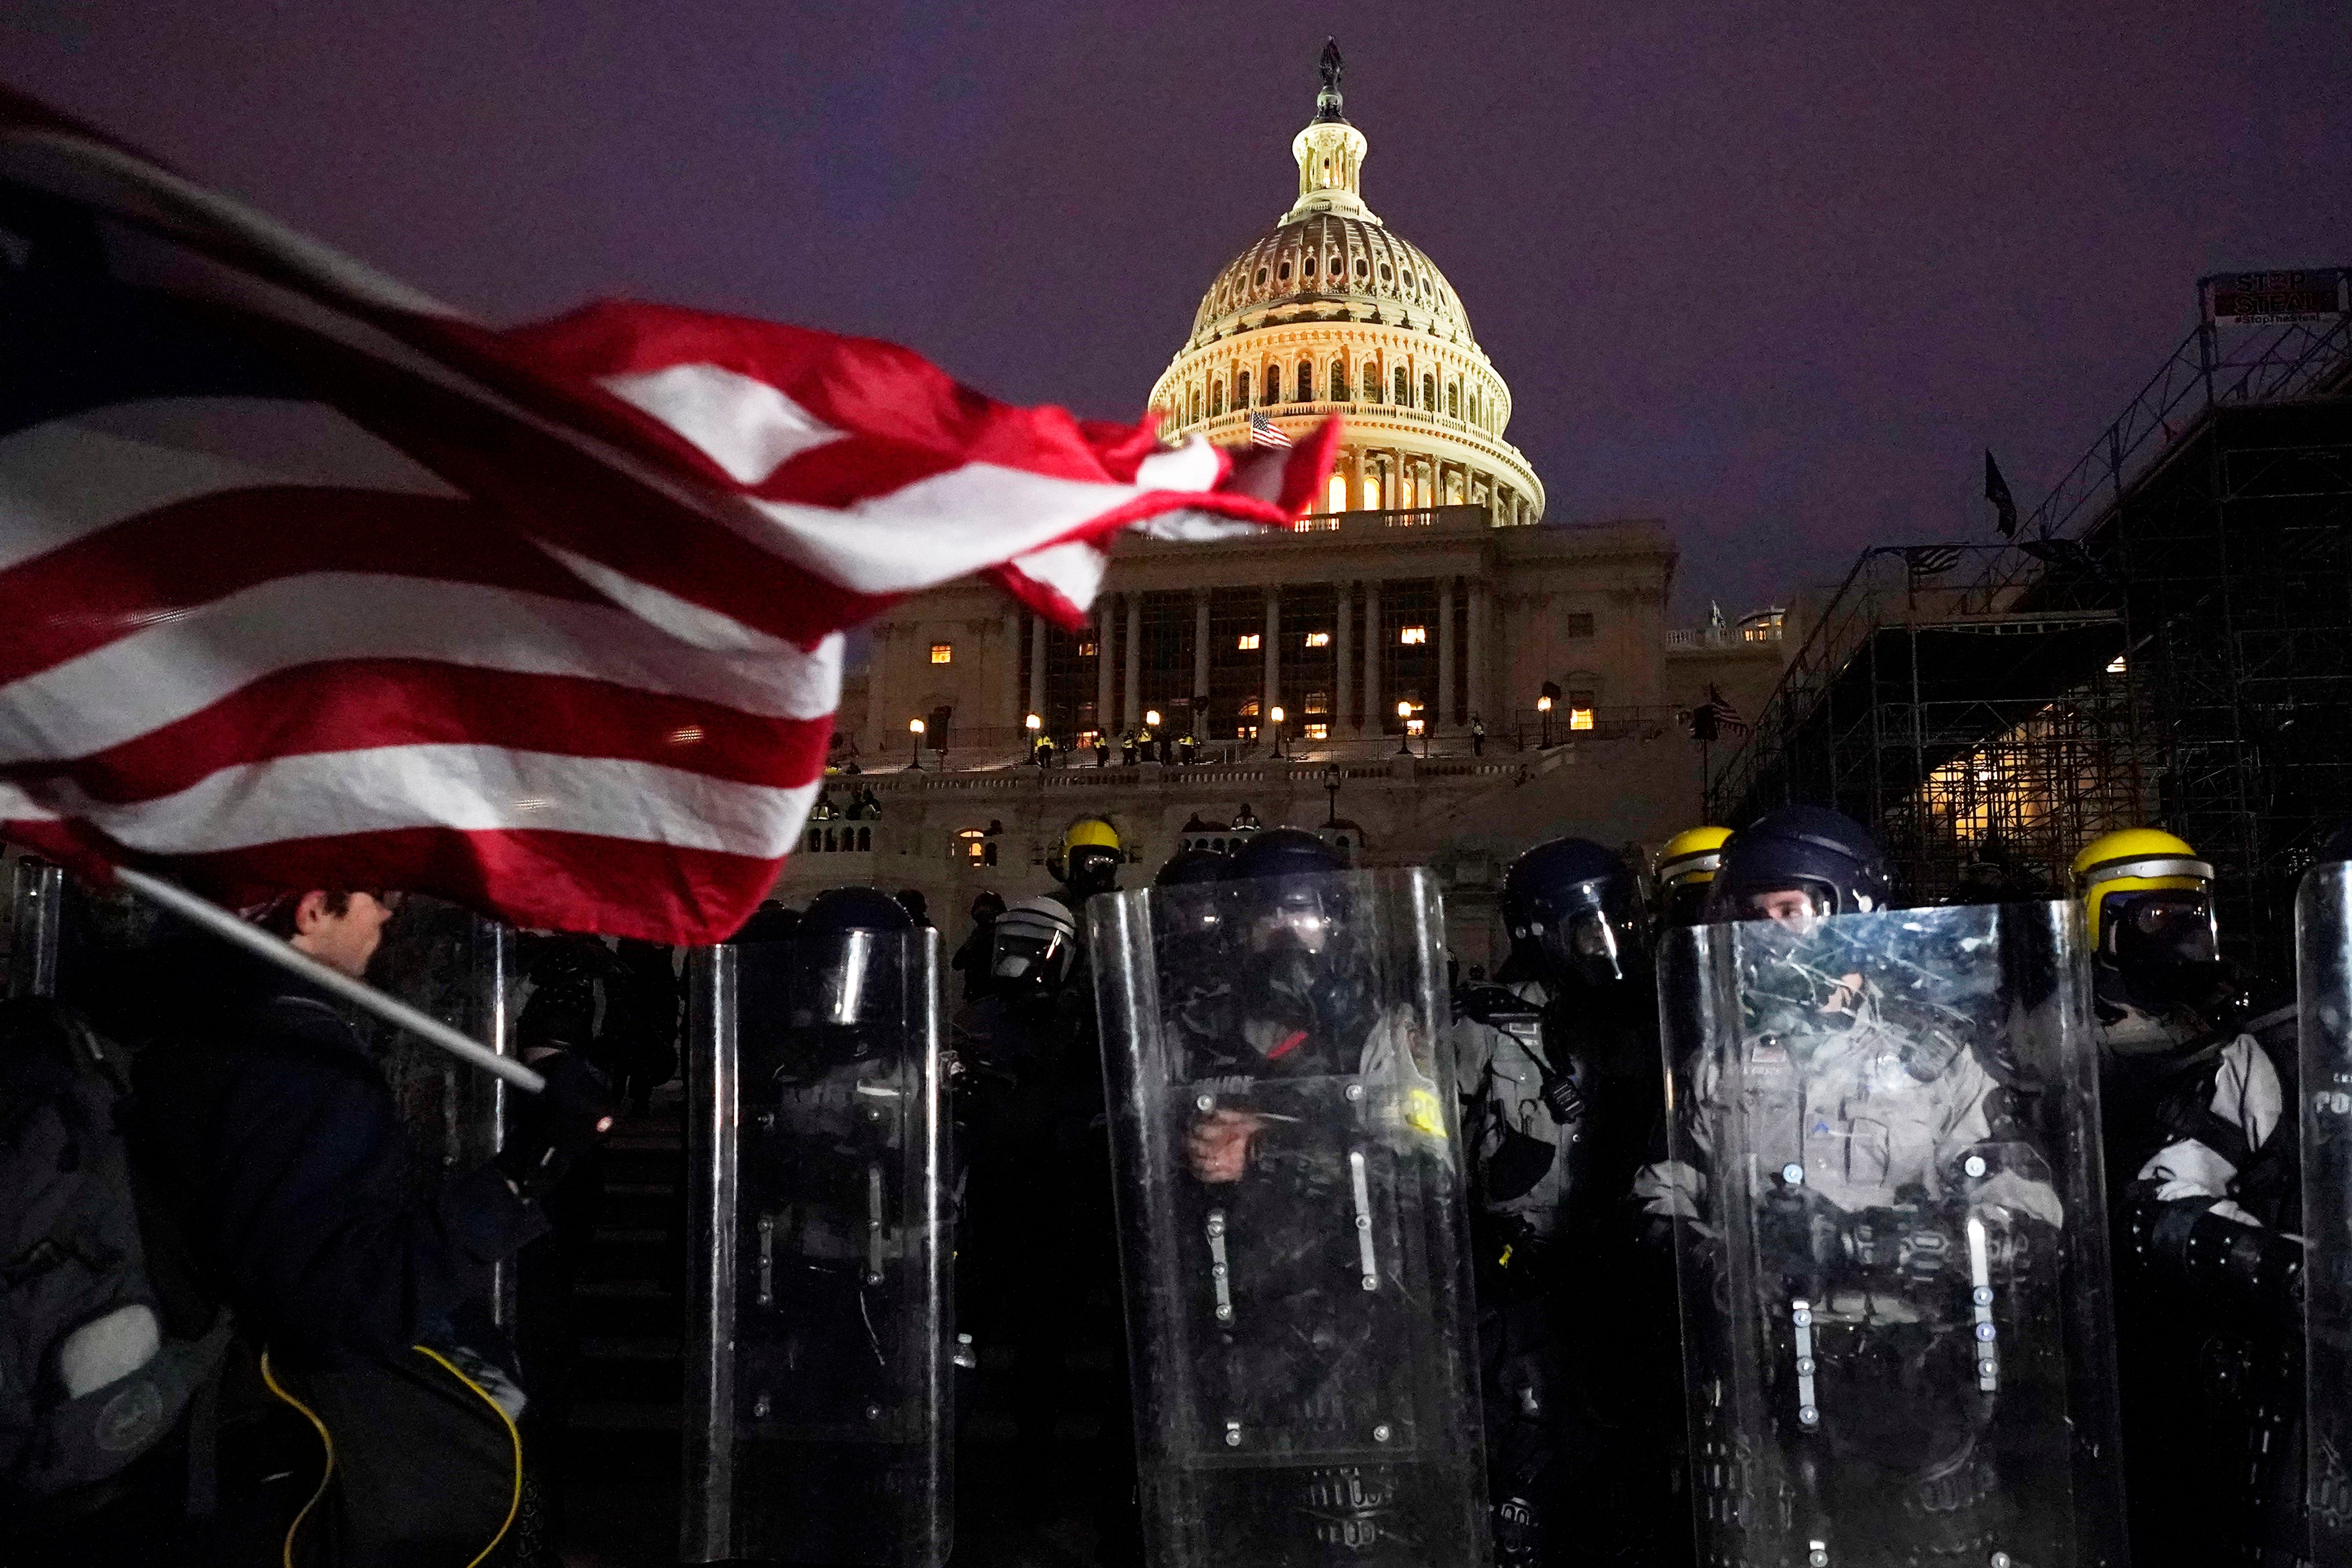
(1105, 625)
(1344, 623)
(1199, 661)
(1133, 714)
(1272, 642)
(1442, 713)
(1476, 684)
(1373, 718)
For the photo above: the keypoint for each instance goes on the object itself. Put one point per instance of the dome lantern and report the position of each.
(1330, 153)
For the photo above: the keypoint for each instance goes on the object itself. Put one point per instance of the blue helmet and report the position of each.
(1573, 907)
(1825, 854)
(1187, 867)
(1283, 852)
(855, 909)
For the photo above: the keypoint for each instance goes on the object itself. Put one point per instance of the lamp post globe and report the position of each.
(1275, 715)
(915, 746)
(1543, 706)
(1404, 729)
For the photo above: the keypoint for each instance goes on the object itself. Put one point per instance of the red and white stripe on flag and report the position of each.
(311, 582)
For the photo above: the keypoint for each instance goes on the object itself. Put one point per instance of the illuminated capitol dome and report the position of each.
(1330, 311)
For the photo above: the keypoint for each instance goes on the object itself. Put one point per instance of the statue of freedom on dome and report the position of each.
(1330, 66)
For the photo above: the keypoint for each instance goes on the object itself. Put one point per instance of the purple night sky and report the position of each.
(1773, 272)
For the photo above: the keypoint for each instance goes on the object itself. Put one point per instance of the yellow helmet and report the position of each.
(1090, 833)
(2133, 860)
(1693, 855)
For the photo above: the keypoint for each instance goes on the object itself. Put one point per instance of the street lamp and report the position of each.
(1543, 706)
(1276, 715)
(1151, 718)
(1035, 726)
(1404, 731)
(915, 746)
(1331, 777)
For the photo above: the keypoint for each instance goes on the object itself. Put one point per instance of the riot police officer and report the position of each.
(1294, 1251)
(1557, 1066)
(817, 1370)
(2202, 1166)
(1874, 1170)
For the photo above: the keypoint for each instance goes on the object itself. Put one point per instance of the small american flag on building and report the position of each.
(1263, 432)
(312, 582)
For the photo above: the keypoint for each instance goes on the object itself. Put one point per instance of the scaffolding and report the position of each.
(2168, 639)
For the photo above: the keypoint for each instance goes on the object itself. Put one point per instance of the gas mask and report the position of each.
(2164, 947)
(1091, 868)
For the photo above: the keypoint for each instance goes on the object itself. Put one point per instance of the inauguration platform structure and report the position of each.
(2168, 639)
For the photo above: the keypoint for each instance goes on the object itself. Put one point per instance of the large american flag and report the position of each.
(307, 579)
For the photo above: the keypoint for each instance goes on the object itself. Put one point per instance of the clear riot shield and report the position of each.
(36, 922)
(2323, 933)
(1291, 1206)
(459, 967)
(816, 1360)
(1891, 1234)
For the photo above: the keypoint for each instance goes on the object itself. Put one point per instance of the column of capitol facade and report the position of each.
(1431, 578)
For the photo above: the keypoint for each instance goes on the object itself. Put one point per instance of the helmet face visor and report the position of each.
(1687, 903)
(1295, 919)
(1031, 960)
(843, 980)
(1586, 930)
(2161, 926)
(1093, 869)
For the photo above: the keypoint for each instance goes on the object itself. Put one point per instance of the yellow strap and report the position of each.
(326, 1440)
(514, 1503)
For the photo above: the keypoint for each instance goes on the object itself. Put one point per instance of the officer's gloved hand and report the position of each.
(555, 1126)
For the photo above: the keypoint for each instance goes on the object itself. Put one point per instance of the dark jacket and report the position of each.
(263, 1122)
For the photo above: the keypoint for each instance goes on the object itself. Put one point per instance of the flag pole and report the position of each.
(286, 955)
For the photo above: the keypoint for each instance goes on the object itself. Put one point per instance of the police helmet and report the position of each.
(1572, 907)
(1825, 856)
(1032, 946)
(848, 953)
(1188, 866)
(2148, 905)
(1091, 856)
(1687, 868)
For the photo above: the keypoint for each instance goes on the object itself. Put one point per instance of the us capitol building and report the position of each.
(1330, 675)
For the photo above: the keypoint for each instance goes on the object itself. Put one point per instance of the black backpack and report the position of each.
(89, 1380)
